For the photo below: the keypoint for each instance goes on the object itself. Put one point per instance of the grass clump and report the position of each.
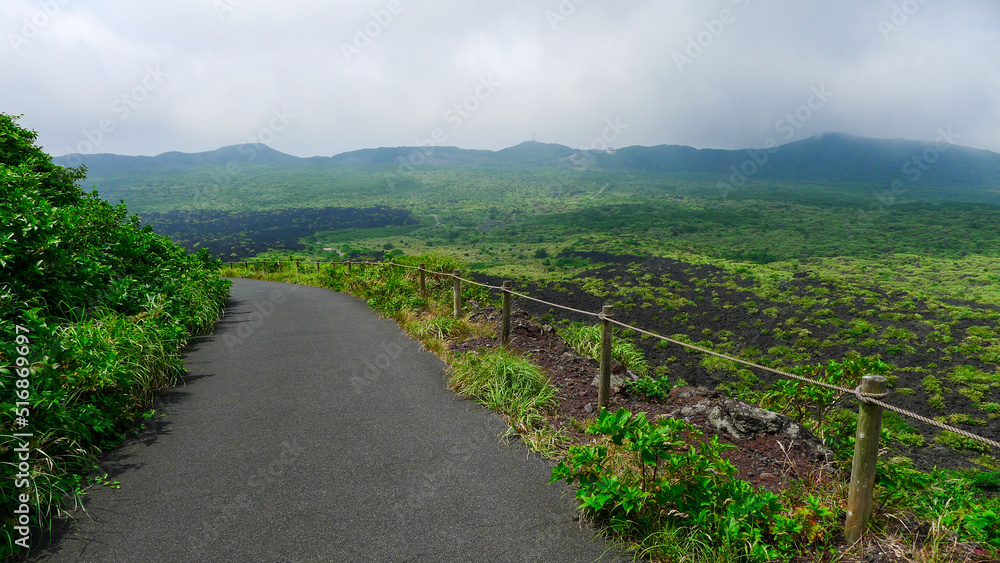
(960, 443)
(935, 393)
(586, 339)
(506, 383)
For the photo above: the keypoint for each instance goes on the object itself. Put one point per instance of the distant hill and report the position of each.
(105, 165)
(929, 173)
(826, 158)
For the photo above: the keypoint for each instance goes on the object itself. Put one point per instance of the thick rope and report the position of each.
(871, 398)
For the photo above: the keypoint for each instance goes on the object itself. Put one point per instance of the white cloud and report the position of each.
(562, 77)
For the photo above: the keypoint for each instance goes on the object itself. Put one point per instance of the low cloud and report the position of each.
(566, 66)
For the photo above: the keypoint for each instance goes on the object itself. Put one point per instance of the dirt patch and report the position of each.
(767, 461)
(801, 321)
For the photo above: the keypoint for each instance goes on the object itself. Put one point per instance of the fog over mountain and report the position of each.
(320, 78)
(931, 171)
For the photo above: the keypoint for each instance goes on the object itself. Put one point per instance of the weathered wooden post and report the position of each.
(505, 325)
(604, 386)
(348, 266)
(423, 282)
(317, 266)
(297, 266)
(458, 293)
(859, 500)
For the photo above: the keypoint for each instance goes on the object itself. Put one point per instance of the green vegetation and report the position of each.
(655, 389)
(647, 481)
(506, 383)
(586, 339)
(94, 312)
(788, 272)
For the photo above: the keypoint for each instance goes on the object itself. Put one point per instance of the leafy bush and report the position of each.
(657, 389)
(812, 405)
(949, 497)
(104, 307)
(663, 475)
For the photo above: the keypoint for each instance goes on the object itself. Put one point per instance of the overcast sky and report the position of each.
(311, 77)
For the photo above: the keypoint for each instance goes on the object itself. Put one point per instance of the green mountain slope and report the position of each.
(260, 177)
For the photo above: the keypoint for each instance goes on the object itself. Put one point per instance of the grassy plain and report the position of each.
(809, 277)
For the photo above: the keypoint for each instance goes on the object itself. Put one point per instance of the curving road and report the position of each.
(310, 430)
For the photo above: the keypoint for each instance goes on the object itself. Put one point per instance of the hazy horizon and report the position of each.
(312, 78)
(504, 148)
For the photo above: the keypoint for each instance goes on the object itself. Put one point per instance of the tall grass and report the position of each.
(586, 339)
(506, 383)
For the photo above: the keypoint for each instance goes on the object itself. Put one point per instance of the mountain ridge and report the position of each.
(677, 157)
(934, 170)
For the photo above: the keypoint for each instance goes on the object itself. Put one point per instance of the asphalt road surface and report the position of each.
(311, 430)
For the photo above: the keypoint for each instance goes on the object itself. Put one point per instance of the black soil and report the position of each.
(706, 301)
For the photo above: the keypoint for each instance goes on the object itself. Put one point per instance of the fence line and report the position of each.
(869, 392)
(863, 397)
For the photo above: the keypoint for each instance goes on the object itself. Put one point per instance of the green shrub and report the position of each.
(106, 306)
(662, 475)
(657, 389)
(506, 383)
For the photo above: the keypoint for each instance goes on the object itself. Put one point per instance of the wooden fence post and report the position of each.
(423, 282)
(317, 266)
(859, 500)
(505, 330)
(297, 266)
(458, 294)
(604, 386)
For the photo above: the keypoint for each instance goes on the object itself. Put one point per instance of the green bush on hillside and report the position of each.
(93, 312)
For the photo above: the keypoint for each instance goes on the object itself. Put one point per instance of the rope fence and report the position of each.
(863, 397)
(870, 392)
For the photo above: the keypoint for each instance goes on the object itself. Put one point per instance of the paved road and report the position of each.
(310, 430)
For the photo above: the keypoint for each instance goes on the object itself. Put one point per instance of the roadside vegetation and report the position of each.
(94, 314)
(659, 487)
(829, 278)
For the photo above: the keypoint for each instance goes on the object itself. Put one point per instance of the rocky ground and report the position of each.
(707, 300)
(771, 449)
